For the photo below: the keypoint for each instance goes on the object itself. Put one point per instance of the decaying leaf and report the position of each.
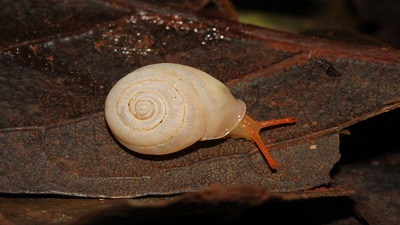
(54, 138)
(224, 202)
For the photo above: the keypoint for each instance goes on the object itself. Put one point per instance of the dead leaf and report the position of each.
(53, 136)
(215, 204)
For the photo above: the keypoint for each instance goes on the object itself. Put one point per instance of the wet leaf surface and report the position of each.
(57, 67)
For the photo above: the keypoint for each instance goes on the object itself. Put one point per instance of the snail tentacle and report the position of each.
(250, 129)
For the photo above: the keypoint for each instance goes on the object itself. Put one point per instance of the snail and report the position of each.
(165, 107)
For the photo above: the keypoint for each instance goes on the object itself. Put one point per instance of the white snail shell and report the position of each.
(166, 107)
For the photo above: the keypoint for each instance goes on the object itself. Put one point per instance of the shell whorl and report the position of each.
(163, 108)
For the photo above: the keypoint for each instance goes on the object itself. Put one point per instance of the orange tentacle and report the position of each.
(250, 129)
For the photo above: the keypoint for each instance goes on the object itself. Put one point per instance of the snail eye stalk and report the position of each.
(250, 130)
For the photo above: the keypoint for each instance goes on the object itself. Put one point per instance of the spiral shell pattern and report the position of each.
(163, 108)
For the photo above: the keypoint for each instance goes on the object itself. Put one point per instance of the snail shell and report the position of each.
(166, 107)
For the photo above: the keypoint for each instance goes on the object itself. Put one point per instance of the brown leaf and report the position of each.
(54, 139)
(371, 183)
(212, 203)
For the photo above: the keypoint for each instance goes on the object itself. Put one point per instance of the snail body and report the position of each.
(163, 108)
